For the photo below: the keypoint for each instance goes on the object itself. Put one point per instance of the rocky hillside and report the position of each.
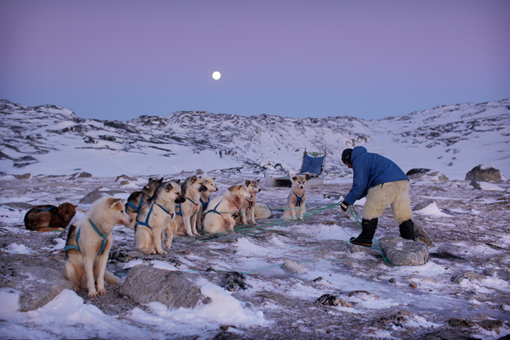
(449, 138)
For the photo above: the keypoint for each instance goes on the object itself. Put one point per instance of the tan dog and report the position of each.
(88, 245)
(296, 202)
(205, 198)
(221, 211)
(154, 217)
(49, 217)
(247, 210)
(185, 220)
(138, 198)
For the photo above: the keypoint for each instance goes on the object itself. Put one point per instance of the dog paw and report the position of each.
(102, 292)
(93, 295)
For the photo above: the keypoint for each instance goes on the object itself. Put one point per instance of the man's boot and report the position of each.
(407, 230)
(367, 233)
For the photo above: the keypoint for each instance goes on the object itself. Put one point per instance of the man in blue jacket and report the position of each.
(383, 183)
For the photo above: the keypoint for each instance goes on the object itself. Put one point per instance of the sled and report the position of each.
(312, 165)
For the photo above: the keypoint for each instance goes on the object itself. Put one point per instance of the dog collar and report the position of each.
(76, 246)
(137, 208)
(189, 199)
(146, 223)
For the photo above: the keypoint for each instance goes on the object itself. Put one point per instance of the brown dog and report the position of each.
(49, 217)
(186, 213)
(88, 245)
(138, 198)
(296, 202)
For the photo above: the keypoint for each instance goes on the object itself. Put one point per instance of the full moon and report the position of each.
(216, 75)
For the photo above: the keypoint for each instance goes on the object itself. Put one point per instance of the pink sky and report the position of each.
(368, 59)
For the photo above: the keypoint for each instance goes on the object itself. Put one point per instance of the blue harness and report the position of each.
(135, 208)
(146, 223)
(298, 199)
(205, 204)
(216, 211)
(178, 208)
(77, 247)
(47, 209)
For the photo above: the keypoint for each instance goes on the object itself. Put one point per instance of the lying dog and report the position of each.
(205, 198)
(138, 198)
(296, 202)
(185, 220)
(88, 245)
(247, 210)
(49, 217)
(154, 218)
(221, 211)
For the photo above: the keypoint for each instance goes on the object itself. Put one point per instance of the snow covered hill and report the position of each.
(52, 140)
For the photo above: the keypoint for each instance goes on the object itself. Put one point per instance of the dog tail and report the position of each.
(110, 278)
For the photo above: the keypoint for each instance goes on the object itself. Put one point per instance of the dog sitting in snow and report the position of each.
(247, 211)
(205, 198)
(138, 198)
(154, 218)
(88, 245)
(221, 211)
(296, 202)
(186, 213)
(49, 217)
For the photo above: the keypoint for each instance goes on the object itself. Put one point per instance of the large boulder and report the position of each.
(145, 284)
(401, 252)
(484, 173)
(38, 285)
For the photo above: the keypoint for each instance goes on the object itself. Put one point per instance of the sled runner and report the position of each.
(312, 165)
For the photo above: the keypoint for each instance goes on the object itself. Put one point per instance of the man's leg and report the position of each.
(401, 208)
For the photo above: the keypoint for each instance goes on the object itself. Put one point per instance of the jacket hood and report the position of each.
(357, 151)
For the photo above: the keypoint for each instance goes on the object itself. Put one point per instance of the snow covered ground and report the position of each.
(469, 227)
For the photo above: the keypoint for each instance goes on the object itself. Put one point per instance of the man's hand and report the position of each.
(344, 205)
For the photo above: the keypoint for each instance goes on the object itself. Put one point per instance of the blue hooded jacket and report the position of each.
(370, 169)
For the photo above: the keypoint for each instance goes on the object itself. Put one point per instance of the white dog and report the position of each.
(221, 211)
(154, 218)
(296, 202)
(205, 198)
(186, 214)
(247, 210)
(88, 245)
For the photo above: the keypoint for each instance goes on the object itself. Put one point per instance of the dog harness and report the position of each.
(47, 209)
(77, 247)
(216, 211)
(135, 208)
(146, 223)
(298, 199)
(178, 206)
(205, 204)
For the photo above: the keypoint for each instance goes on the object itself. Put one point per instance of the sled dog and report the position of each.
(88, 243)
(154, 217)
(138, 198)
(205, 198)
(296, 202)
(247, 210)
(186, 213)
(221, 211)
(49, 217)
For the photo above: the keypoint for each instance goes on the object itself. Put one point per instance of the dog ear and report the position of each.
(168, 187)
(193, 179)
(247, 182)
(113, 201)
(308, 177)
(294, 178)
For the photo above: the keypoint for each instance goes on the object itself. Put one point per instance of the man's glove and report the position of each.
(344, 205)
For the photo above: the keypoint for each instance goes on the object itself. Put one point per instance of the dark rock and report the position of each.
(491, 325)
(474, 183)
(459, 323)
(499, 273)
(146, 284)
(484, 173)
(331, 300)
(234, 281)
(467, 276)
